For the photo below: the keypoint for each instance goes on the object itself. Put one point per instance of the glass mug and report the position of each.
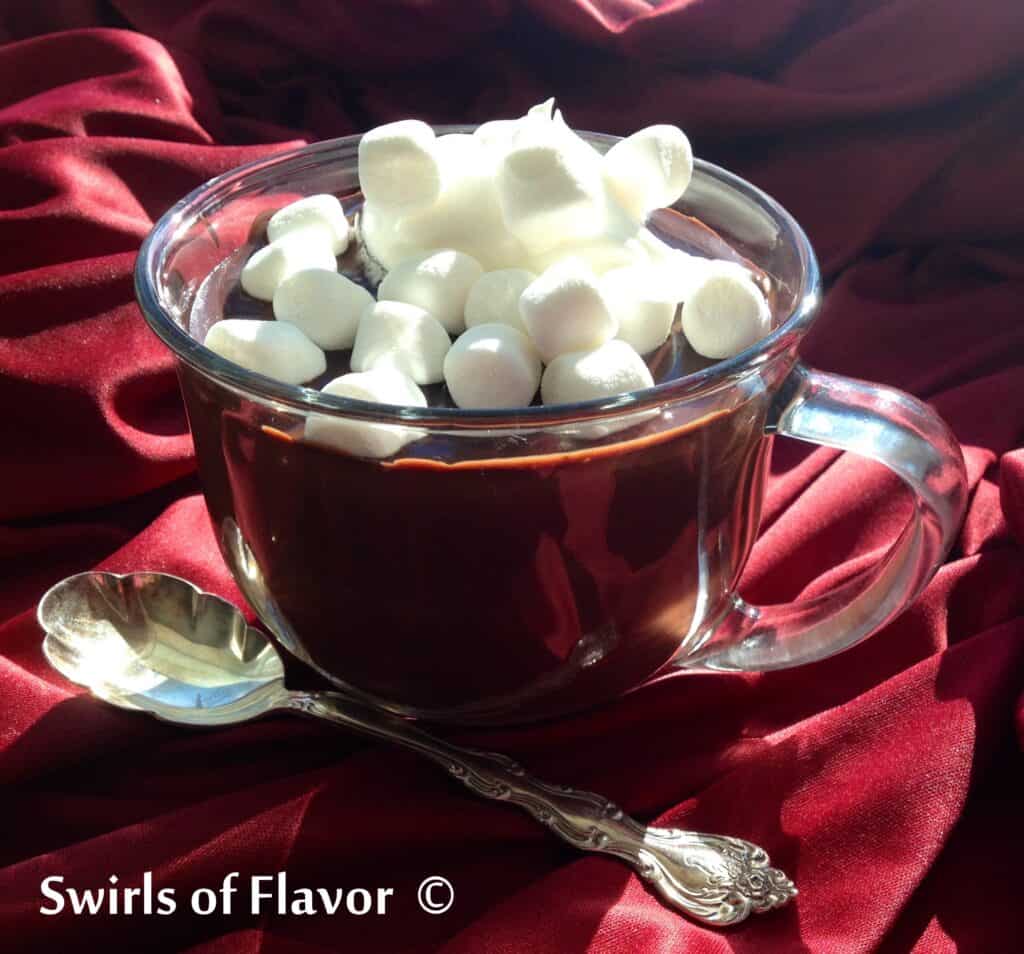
(508, 566)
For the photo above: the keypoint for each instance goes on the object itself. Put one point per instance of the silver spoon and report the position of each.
(156, 643)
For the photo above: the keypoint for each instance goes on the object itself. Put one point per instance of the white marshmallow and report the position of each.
(467, 215)
(657, 249)
(614, 368)
(393, 334)
(382, 237)
(497, 132)
(544, 120)
(398, 168)
(362, 438)
(438, 282)
(494, 298)
(324, 210)
(643, 304)
(705, 267)
(563, 311)
(725, 313)
(542, 111)
(602, 254)
(310, 247)
(550, 187)
(492, 366)
(650, 169)
(682, 272)
(325, 305)
(619, 243)
(274, 348)
(459, 153)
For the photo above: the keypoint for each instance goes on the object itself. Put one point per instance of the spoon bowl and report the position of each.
(155, 642)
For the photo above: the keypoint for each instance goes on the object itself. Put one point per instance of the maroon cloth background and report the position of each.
(887, 781)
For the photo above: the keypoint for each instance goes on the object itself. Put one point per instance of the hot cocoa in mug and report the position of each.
(506, 566)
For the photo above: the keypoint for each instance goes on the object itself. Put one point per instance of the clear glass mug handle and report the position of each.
(910, 439)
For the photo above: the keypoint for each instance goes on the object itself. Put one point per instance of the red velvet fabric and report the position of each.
(886, 781)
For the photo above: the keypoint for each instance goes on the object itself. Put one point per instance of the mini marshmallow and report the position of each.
(650, 169)
(467, 215)
(382, 238)
(398, 168)
(494, 298)
(310, 247)
(550, 187)
(614, 368)
(438, 282)
(642, 303)
(459, 153)
(274, 348)
(404, 337)
(725, 313)
(362, 438)
(602, 254)
(323, 210)
(542, 111)
(679, 271)
(497, 132)
(325, 305)
(657, 249)
(492, 366)
(564, 311)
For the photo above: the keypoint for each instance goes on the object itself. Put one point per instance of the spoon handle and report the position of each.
(715, 879)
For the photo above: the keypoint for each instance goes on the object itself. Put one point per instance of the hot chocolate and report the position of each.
(527, 573)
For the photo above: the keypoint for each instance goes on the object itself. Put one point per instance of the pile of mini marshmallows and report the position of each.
(513, 258)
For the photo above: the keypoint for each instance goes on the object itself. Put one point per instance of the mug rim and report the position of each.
(305, 399)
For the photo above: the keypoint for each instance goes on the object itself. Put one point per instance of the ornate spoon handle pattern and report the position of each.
(712, 878)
